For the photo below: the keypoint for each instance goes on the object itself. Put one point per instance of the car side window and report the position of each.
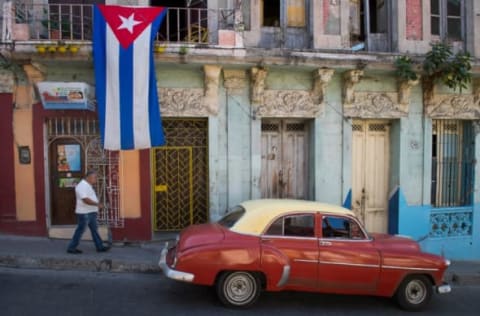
(340, 227)
(302, 225)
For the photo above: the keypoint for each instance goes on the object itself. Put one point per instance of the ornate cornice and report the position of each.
(452, 106)
(181, 102)
(376, 105)
(289, 103)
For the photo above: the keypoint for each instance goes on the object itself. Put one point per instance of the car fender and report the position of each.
(276, 267)
(206, 262)
(397, 266)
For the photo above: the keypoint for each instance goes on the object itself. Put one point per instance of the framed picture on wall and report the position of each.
(69, 158)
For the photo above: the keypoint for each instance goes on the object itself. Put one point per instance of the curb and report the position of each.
(469, 278)
(58, 263)
(466, 279)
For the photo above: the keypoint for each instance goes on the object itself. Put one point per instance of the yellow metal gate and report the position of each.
(181, 175)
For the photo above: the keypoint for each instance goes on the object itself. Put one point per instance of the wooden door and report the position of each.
(66, 170)
(284, 159)
(370, 173)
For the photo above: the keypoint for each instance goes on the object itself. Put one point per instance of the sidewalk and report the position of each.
(45, 253)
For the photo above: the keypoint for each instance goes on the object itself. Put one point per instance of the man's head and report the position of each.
(91, 177)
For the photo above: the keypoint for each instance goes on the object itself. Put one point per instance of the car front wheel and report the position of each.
(238, 289)
(414, 292)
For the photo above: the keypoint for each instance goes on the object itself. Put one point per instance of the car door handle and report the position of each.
(325, 243)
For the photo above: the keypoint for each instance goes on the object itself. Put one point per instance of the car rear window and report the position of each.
(232, 217)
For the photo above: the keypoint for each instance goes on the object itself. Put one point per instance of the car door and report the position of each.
(348, 261)
(294, 235)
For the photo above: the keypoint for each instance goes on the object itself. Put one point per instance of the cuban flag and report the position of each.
(126, 86)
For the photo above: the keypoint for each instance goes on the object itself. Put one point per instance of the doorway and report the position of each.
(285, 162)
(370, 173)
(66, 170)
(180, 175)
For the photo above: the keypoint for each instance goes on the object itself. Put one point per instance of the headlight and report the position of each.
(447, 262)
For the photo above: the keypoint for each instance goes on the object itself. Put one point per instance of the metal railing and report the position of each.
(74, 22)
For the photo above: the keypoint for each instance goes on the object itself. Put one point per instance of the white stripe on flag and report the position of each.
(141, 78)
(112, 98)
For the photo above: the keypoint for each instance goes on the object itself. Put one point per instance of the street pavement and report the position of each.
(45, 253)
(47, 292)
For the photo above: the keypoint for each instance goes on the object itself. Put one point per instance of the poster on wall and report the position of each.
(66, 95)
(69, 158)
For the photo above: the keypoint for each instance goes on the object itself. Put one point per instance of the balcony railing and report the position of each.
(74, 22)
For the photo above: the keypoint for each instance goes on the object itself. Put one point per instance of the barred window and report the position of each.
(452, 163)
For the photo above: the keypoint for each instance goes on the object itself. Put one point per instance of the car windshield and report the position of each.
(233, 215)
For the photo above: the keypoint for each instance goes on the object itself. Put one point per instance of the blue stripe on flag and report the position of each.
(126, 97)
(99, 60)
(157, 137)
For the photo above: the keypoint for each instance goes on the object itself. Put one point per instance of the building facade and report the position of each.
(259, 98)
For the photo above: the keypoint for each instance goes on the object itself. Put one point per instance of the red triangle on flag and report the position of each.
(127, 23)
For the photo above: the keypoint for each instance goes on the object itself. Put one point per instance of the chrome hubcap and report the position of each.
(416, 292)
(239, 288)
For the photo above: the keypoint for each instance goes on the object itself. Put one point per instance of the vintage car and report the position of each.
(277, 245)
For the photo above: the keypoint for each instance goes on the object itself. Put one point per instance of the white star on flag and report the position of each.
(128, 23)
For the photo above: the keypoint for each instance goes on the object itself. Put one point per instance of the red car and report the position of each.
(277, 245)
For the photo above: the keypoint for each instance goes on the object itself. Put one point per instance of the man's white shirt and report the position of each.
(85, 190)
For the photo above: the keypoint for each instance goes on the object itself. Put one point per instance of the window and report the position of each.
(293, 225)
(271, 13)
(446, 19)
(232, 217)
(342, 228)
(452, 163)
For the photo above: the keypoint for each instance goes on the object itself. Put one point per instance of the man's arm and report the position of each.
(91, 202)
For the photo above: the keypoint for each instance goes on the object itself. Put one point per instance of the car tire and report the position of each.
(238, 289)
(414, 293)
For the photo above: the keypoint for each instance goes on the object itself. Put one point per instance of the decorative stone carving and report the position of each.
(192, 102)
(350, 79)
(321, 79)
(376, 105)
(405, 89)
(182, 102)
(212, 78)
(453, 106)
(289, 103)
(235, 81)
(258, 85)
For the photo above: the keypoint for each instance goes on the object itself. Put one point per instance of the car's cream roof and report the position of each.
(259, 213)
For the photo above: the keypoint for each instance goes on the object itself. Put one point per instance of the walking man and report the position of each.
(86, 209)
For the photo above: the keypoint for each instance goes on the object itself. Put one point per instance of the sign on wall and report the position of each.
(66, 95)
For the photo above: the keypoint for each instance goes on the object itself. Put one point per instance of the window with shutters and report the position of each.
(446, 19)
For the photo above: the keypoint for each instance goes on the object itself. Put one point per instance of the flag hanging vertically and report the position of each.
(126, 86)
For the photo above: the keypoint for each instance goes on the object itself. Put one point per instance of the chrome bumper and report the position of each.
(443, 289)
(171, 273)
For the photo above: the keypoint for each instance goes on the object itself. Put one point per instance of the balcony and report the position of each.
(25, 23)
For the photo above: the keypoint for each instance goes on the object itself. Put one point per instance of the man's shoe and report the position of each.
(104, 249)
(74, 251)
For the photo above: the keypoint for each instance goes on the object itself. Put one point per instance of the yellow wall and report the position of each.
(24, 174)
(130, 184)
